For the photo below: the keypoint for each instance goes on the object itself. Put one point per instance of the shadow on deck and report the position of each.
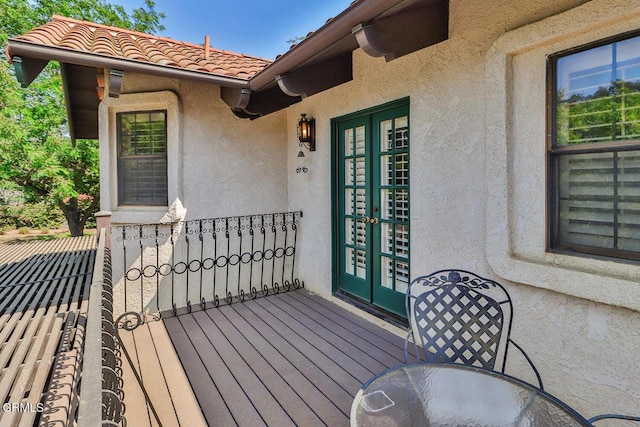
(287, 359)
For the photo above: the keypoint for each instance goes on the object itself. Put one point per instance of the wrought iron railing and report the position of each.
(101, 398)
(190, 265)
(112, 383)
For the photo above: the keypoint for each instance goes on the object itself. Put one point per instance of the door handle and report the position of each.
(366, 219)
(375, 220)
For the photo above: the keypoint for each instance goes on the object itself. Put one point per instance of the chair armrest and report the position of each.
(615, 416)
(526, 356)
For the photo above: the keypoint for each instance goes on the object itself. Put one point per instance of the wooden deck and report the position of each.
(44, 289)
(283, 360)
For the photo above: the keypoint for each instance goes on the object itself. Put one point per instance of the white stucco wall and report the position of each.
(477, 131)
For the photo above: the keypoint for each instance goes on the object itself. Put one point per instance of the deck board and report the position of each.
(336, 335)
(390, 343)
(313, 406)
(197, 375)
(136, 410)
(44, 286)
(165, 383)
(183, 401)
(265, 388)
(292, 353)
(240, 406)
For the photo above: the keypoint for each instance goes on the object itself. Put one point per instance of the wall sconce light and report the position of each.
(307, 132)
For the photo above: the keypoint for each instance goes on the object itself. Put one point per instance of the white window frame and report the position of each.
(108, 134)
(516, 193)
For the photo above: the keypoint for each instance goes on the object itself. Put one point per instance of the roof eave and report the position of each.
(323, 60)
(21, 48)
(334, 30)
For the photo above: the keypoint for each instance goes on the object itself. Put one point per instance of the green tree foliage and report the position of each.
(36, 153)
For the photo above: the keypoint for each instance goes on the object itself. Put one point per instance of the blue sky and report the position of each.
(254, 27)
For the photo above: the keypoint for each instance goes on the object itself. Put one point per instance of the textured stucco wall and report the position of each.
(478, 182)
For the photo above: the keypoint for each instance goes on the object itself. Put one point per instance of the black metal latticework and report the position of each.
(112, 393)
(198, 264)
(456, 316)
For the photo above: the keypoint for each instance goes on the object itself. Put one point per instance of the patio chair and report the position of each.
(458, 317)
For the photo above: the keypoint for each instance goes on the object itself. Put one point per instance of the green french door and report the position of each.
(372, 215)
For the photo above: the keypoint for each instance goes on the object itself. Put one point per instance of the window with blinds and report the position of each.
(142, 158)
(595, 150)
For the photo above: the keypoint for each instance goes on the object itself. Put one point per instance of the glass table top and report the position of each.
(456, 395)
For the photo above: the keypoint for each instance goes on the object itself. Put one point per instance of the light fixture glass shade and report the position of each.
(307, 132)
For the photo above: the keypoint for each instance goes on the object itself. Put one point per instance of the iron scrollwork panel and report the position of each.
(206, 262)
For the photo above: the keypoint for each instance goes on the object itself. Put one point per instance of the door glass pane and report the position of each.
(386, 272)
(402, 241)
(348, 142)
(348, 171)
(386, 203)
(348, 201)
(348, 261)
(402, 134)
(402, 169)
(361, 234)
(386, 238)
(402, 204)
(402, 276)
(386, 170)
(361, 264)
(361, 202)
(386, 137)
(348, 231)
(360, 171)
(360, 142)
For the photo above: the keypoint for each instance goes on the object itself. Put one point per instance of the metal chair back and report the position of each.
(456, 316)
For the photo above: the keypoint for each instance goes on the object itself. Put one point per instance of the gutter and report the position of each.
(30, 50)
(359, 12)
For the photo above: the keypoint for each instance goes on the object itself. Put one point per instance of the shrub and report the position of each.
(36, 215)
(45, 230)
(6, 219)
(23, 230)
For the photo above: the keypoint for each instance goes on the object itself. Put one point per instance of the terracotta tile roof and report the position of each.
(88, 37)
